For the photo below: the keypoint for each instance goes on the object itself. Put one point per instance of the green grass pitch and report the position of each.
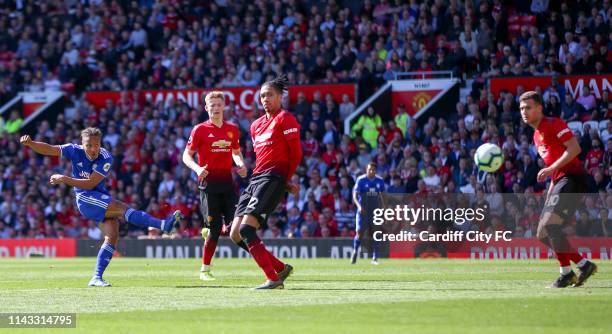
(323, 296)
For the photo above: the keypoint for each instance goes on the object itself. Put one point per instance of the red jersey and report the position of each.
(548, 139)
(271, 137)
(214, 146)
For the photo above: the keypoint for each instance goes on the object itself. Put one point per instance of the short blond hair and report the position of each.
(91, 132)
(215, 94)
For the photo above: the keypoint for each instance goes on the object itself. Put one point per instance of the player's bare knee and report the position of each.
(541, 232)
(235, 230)
(251, 220)
(112, 239)
(549, 221)
(116, 209)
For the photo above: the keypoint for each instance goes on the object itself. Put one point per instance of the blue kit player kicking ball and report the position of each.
(365, 186)
(90, 165)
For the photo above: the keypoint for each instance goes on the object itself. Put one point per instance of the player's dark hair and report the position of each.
(373, 164)
(91, 132)
(532, 95)
(280, 83)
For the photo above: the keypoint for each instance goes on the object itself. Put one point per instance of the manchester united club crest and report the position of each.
(420, 100)
(230, 135)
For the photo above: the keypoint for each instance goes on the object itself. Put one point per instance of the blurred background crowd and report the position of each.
(96, 45)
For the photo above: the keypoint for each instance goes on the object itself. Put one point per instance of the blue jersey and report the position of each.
(365, 185)
(83, 167)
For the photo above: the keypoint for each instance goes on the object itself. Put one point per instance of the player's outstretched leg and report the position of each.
(143, 219)
(110, 229)
(260, 255)
(117, 209)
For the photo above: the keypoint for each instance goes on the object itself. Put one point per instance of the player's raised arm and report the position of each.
(40, 147)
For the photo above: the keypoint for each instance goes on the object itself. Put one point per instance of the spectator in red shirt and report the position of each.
(594, 157)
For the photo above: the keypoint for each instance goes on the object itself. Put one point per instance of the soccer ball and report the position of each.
(488, 157)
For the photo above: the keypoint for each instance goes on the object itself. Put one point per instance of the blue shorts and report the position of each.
(93, 204)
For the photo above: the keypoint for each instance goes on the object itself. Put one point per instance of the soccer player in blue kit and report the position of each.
(368, 183)
(90, 166)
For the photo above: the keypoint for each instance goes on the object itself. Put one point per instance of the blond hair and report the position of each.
(91, 132)
(215, 94)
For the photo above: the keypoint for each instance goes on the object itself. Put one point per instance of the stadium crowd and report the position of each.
(78, 46)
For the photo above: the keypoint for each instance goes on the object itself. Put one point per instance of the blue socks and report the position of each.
(141, 219)
(104, 257)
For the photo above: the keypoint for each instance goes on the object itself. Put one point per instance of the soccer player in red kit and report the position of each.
(559, 149)
(217, 143)
(278, 152)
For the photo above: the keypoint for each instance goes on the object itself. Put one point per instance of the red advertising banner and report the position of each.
(571, 83)
(516, 249)
(44, 247)
(243, 96)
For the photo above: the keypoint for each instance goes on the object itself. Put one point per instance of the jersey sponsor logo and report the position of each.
(84, 175)
(288, 131)
(263, 137)
(265, 143)
(221, 143)
(221, 146)
(562, 132)
(106, 167)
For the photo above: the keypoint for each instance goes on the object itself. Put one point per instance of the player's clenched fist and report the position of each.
(202, 171)
(56, 179)
(25, 140)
